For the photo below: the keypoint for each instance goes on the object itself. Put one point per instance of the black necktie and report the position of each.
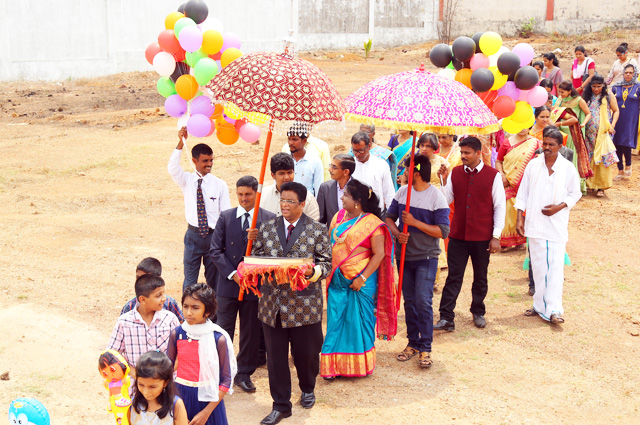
(203, 227)
(245, 227)
(290, 230)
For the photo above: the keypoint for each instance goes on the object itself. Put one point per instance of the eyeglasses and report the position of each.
(288, 202)
(334, 167)
(363, 150)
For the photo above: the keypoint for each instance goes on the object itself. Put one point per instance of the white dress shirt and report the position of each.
(270, 201)
(375, 172)
(240, 212)
(341, 193)
(497, 195)
(539, 189)
(214, 191)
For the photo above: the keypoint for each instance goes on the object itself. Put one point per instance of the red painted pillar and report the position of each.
(550, 4)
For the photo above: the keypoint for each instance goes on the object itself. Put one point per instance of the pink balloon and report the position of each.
(230, 39)
(190, 39)
(523, 95)
(213, 129)
(479, 60)
(175, 106)
(537, 96)
(509, 89)
(250, 133)
(525, 53)
(202, 105)
(199, 125)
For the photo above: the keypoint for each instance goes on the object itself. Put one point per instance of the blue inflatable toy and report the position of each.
(28, 411)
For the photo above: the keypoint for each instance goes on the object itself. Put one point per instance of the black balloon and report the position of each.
(508, 63)
(181, 7)
(441, 55)
(181, 69)
(463, 48)
(476, 37)
(482, 80)
(457, 64)
(196, 10)
(526, 78)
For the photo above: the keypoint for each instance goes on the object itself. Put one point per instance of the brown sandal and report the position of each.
(530, 312)
(425, 360)
(406, 354)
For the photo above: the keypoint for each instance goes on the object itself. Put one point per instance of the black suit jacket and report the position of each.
(328, 201)
(228, 249)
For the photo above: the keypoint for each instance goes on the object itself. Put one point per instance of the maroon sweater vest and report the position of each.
(473, 204)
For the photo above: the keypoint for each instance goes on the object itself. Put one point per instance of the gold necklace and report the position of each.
(342, 238)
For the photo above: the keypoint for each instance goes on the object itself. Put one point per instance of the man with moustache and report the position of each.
(308, 167)
(330, 193)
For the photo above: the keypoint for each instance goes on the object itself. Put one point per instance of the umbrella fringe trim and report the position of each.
(398, 125)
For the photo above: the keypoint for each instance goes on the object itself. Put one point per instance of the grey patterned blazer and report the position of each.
(308, 239)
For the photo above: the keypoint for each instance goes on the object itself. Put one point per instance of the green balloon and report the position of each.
(450, 66)
(193, 58)
(205, 70)
(166, 87)
(182, 23)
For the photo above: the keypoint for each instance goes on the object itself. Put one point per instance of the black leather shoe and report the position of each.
(444, 325)
(479, 321)
(307, 400)
(274, 417)
(247, 386)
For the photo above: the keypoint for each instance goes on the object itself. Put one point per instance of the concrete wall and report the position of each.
(60, 39)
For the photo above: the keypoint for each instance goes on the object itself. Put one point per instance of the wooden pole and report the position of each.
(403, 248)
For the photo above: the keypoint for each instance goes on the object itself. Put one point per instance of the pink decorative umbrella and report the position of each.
(423, 102)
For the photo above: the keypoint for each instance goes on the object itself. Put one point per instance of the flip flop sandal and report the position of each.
(530, 312)
(556, 319)
(425, 360)
(600, 193)
(406, 354)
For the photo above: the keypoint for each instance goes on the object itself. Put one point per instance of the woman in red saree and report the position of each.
(362, 275)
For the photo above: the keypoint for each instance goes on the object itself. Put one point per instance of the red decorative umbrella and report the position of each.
(278, 91)
(420, 101)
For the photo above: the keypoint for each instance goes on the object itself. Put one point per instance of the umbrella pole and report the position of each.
(256, 208)
(403, 248)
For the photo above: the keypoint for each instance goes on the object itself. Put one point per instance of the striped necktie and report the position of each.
(290, 230)
(203, 227)
(245, 227)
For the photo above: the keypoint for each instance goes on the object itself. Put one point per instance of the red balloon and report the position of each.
(238, 124)
(180, 56)
(216, 56)
(168, 41)
(503, 106)
(152, 50)
(488, 97)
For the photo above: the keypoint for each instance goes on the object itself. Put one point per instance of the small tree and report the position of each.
(447, 15)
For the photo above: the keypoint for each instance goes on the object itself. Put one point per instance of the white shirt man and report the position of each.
(372, 170)
(550, 188)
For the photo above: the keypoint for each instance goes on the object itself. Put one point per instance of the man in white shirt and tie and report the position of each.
(205, 197)
(550, 188)
(372, 170)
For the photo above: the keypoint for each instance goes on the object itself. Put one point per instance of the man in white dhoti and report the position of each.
(550, 188)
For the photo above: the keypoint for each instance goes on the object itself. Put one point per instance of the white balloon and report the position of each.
(493, 59)
(447, 73)
(164, 64)
(212, 24)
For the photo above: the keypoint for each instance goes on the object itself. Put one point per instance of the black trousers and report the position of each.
(624, 154)
(458, 257)
(196, 252)
(306, 343)
(250, 332)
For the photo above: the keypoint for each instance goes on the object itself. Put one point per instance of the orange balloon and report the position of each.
(211, 42)
(187, 86)
(218, 109)
(464, 76)
(227, 134)
(171, 19)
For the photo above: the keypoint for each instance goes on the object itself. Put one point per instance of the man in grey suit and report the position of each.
(228, 246)
(330, 193)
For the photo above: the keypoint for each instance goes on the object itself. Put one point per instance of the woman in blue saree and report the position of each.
(362, 275)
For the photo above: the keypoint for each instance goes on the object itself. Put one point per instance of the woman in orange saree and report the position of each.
(362, 275)
(513, 157)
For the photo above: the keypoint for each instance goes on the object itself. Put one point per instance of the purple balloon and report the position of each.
(230, 39)
(509, 89)
(202, 105)
(199, 125)
(525, 53)
(228, 119)
(175, 106)
(190, 39)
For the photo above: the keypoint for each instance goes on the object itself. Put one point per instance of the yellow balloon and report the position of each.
(499, 79)
(490, 43)
(258, 118)
(211, 42)
(229, 55)
(170, 20)
(522, 113)
(511, 126)
(232, 111)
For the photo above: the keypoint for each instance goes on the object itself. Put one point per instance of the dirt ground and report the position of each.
(86, 195)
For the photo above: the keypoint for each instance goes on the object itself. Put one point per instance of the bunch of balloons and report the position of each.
(503, 79)
(187, 57)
